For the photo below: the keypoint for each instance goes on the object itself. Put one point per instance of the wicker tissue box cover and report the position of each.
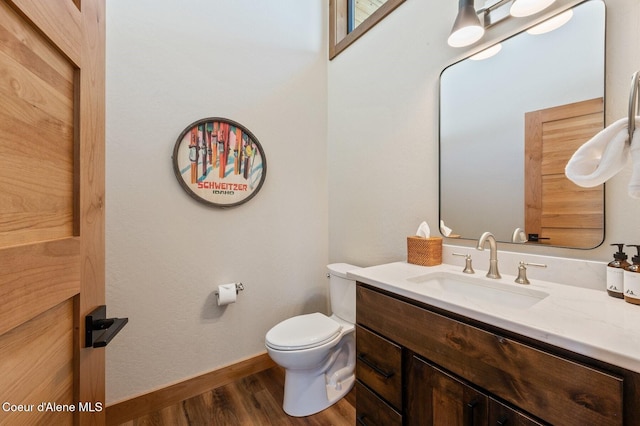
(424, 251)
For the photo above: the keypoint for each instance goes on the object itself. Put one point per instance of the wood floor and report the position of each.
(254, 400)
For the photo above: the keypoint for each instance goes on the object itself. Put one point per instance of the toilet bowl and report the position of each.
(318, 351)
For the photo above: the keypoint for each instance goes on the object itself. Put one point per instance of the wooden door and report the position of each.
(556, 208)
(51, 209)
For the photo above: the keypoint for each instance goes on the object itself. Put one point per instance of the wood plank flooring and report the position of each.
(253, 400)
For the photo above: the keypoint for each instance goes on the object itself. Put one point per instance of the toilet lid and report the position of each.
(302, 332)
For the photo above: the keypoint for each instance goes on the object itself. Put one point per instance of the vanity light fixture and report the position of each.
(470, 24)
(467, 28)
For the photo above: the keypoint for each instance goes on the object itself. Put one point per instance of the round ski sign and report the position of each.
(219, 162)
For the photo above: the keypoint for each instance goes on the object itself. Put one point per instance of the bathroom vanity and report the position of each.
(435, 347)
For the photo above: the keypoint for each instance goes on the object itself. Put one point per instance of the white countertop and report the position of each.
(582, 320)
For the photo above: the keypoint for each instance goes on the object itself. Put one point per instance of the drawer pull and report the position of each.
(502, 421)
(470, 411)
(381, 372)
(361, 421)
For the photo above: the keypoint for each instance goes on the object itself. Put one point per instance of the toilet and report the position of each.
(318, 351)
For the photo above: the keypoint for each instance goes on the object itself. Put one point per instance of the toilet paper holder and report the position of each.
(239, 288)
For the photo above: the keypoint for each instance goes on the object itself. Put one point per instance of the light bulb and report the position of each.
(521, 8)
(465, 36)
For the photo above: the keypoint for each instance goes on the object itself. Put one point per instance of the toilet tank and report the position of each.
(342, 291)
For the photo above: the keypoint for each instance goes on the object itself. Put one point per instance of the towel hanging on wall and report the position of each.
(604, 155)
(601, 157)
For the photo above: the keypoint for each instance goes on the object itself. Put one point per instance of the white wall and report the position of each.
(262, 64)
(383, 131)
(166, 253)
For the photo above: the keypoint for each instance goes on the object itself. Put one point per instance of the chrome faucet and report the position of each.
(493, 257)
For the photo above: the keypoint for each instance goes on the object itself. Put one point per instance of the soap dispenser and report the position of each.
(615, 273)
(632, 278)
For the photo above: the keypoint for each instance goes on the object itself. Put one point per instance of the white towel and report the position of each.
(602, 156)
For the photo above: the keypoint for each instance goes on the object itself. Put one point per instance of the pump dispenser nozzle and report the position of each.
(636, 258)
(620, 255)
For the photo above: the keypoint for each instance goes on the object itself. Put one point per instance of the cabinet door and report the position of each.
(501, 415)
(435, 398)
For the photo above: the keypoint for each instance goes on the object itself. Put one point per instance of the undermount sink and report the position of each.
(479, 291)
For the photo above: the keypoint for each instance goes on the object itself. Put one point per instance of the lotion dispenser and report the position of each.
(615, 273)
(632, 278)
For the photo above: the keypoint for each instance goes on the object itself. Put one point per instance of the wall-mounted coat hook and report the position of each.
(99, 330)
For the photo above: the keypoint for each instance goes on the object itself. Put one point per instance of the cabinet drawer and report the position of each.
(379, 365)
(371, 410)
(555, 389)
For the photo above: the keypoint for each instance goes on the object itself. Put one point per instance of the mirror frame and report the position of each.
(521, 30)
(339, 40)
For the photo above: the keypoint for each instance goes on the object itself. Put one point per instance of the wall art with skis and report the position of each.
(219, 162)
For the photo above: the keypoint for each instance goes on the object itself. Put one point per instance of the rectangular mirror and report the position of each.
(509, 124)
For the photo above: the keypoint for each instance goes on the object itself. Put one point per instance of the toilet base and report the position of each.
(334, 394)
(311, 395)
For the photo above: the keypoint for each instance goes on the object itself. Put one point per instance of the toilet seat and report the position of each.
(303, 332)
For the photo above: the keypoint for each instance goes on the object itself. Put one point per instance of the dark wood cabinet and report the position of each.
(434, 368)
(436, 398)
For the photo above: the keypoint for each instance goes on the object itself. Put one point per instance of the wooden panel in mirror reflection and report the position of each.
(555, 207)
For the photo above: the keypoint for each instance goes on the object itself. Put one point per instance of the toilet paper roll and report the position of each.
(226, 294)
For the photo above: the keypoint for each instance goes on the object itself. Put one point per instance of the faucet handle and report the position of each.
(522, 271)
(468, 268)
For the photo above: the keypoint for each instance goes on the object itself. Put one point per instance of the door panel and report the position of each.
(555, 207)
(36, 142)
(51, 207)
(40, 368)
(37, 277)
(61, 22)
